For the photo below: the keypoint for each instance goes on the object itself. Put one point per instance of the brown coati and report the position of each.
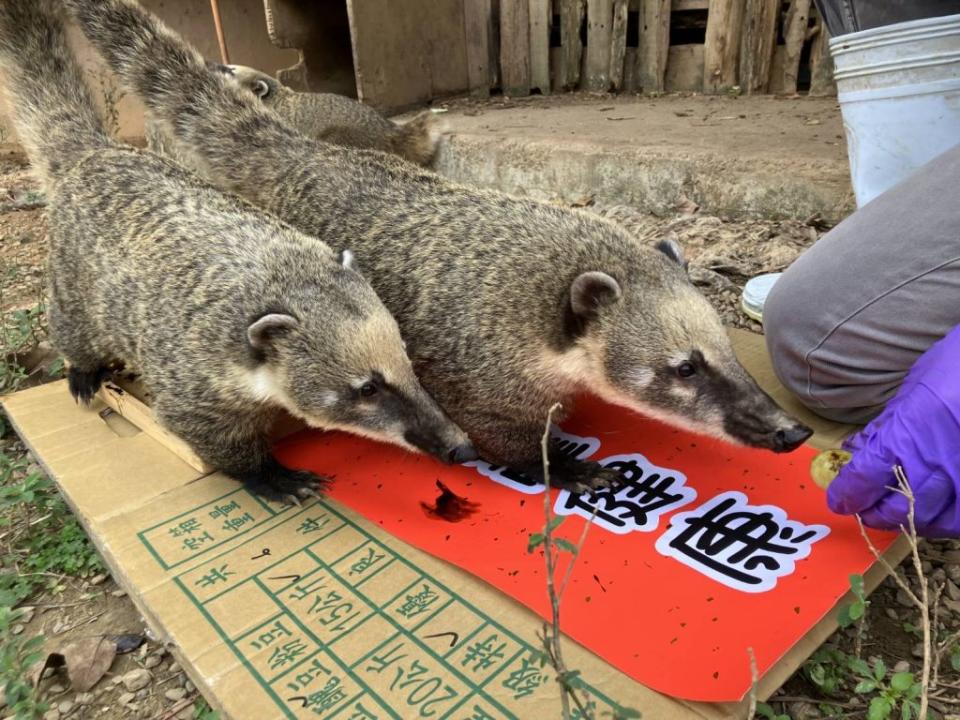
(228, 313)
(325, 116)
(507, 305)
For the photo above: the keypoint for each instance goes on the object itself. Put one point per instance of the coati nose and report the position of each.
(787, 440)
(463, 453)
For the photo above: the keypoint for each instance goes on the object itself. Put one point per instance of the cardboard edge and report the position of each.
(154, 626)
(128, 406)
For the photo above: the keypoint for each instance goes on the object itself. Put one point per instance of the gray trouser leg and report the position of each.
(850, 316)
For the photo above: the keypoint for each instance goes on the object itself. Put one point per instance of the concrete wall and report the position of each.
(247, 42)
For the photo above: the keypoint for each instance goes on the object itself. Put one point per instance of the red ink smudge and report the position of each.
(449, 506)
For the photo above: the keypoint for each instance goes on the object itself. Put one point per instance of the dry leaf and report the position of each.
(52, 660)
(88, 659)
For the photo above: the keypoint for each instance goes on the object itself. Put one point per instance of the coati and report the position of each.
(325, 116)
(228, 313)
(507, 305)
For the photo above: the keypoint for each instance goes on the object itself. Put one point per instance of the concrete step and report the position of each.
(734, 156)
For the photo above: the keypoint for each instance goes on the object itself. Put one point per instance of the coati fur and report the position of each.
(507, 305)
(228, 313)
(327, 117)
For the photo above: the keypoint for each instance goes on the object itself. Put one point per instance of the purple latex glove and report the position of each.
(920, 431)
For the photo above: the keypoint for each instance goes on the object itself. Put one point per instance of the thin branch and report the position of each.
(552, 641)
(886, 565)
(924, 590)
(576, 554)
(922, 602)
(935, 630)
(754, 679)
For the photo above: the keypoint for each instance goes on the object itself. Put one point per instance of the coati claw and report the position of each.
(84, 384)
(280, 484)
(310, 492)
(584, 476)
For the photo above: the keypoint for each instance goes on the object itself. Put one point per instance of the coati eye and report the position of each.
(686, 369)
(368, 389)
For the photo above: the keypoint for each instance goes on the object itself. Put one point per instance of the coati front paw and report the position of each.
(583, 476)
(287, 486)
(577, 476)
(84, 384)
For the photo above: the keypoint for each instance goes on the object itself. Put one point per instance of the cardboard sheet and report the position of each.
(708, 550)
(317, 612)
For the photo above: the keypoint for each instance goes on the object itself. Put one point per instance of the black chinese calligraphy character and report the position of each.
(647, 492)
(743, 546)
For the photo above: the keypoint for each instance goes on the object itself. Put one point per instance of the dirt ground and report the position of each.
(723, 255)
(750, 126)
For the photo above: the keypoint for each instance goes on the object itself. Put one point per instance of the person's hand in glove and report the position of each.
(919, 430)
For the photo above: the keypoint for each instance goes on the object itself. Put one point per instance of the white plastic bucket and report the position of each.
(899, 93)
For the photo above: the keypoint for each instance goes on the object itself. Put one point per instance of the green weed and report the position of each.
(202, 711)
(42, 540)
(765, 711)
(17, 655)
(890, 695)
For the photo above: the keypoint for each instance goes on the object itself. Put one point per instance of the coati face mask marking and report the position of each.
(350, 373)
(662, 351)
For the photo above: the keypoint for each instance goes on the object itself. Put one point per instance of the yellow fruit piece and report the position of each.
(826, 466)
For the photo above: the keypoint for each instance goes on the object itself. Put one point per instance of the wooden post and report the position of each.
(476, 26)
(795, 35)
(218, 28)
(540, 45)
(654, 44)
(515, 47)
(599, 20)
(618, 46)
(756, 46)
(721, 51)
(821, 65)
(571, 17)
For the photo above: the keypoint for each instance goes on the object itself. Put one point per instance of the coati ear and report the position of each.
(348, 260)
(261, 88)
(591, 291)
(671, 248)
(263, 331)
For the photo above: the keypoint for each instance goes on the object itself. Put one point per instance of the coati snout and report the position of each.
(346, 368)
(660, 348)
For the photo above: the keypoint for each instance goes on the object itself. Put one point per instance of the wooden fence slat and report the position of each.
(571, 17)
(721, 51)
(515, 47)
(654, 44)
(540, 45)
(821, 64)
(599, 21)
(476, 25)
(618, 46)
(795, 34)
(630, 70)
(756, 46)
(494, 44)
